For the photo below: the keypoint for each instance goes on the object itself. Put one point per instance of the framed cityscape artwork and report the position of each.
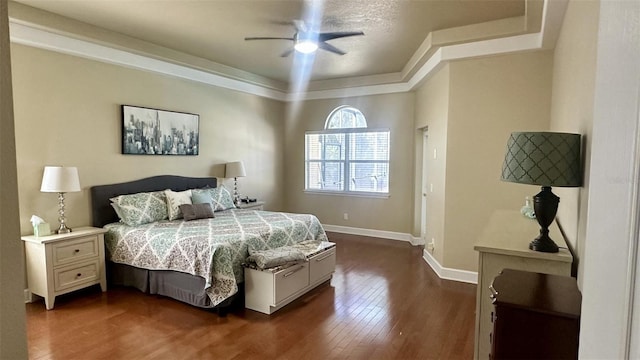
(148, 131)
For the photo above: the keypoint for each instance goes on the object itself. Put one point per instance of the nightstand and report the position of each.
(62, 263)
(256, 205)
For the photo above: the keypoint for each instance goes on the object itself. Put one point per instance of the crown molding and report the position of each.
(26, 33)
(32, 35)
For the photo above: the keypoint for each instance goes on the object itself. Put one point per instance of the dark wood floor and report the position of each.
(384, 302)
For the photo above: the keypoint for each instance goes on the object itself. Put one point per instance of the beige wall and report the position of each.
(432, 111)
(574, 69)
(67, 112)
(488, 98)
(13, 341)
(395, 213)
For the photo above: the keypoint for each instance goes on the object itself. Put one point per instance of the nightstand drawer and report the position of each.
(72, 276)
(290, 281)
(75, 250)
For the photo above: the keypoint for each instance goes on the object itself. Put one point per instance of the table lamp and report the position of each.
(235, 170)
(546, 159)
(61, 180)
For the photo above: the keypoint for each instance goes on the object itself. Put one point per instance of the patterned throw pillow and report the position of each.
(221, 198)
(196, 211)
(141, 208)
(174, 200)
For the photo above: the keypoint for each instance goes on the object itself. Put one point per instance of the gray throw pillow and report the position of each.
(196, 211)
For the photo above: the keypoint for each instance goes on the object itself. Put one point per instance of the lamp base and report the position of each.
(543, 243)
(545, 205)
(236, 194)
(63, 229)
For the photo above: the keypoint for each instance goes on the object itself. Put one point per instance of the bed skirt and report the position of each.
(176, 285)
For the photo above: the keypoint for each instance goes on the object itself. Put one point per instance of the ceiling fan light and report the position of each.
(306, 46)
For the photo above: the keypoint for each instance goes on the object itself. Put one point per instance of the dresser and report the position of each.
(61, 263)
(504, 244)
(537, 316)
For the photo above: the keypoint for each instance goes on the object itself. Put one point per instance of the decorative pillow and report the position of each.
(116, 208)
(174, 200)
(221, 198)
(284, 255)
(196, 211)
(141, 208)
(201, 196)
(224, 198)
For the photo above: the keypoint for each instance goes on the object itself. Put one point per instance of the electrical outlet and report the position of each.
(432, 245)
(346, 216)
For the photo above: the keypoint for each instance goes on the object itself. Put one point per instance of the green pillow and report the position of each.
(220, 198)
(201, 196)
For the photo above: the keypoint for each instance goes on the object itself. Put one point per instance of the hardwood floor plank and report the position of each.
(383, 302)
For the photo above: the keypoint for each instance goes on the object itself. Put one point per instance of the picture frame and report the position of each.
(148, 131)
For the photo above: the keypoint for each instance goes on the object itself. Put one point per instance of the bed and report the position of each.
(198, 262)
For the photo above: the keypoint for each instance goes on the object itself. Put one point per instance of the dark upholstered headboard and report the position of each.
(103, 213)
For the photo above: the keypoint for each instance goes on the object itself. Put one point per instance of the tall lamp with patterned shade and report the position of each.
(546, 159)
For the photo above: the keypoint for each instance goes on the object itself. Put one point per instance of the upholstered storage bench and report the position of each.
(269, 290)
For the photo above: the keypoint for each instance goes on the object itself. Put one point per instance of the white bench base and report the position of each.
(267, 291)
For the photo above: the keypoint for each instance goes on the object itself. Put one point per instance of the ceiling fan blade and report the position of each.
(331, 48)
(338, 34)
(286, 53)
(267, 38)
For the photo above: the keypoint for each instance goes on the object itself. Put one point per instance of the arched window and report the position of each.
(345, 117)
(347, 156)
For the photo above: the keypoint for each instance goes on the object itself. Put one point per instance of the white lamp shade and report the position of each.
(235, 169)
(60, 179)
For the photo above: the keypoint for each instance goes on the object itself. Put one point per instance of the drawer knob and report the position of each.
(79, 275)
(76, 251)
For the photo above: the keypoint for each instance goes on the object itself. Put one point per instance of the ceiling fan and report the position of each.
(307, 41)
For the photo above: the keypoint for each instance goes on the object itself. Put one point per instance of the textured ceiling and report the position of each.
(215, 29)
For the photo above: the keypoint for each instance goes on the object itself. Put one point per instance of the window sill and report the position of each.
(348, 193)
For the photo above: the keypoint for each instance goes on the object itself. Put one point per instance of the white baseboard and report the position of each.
(391, 235)
(443, 273)
(416, 241)
(448, 273)
(27, 296)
